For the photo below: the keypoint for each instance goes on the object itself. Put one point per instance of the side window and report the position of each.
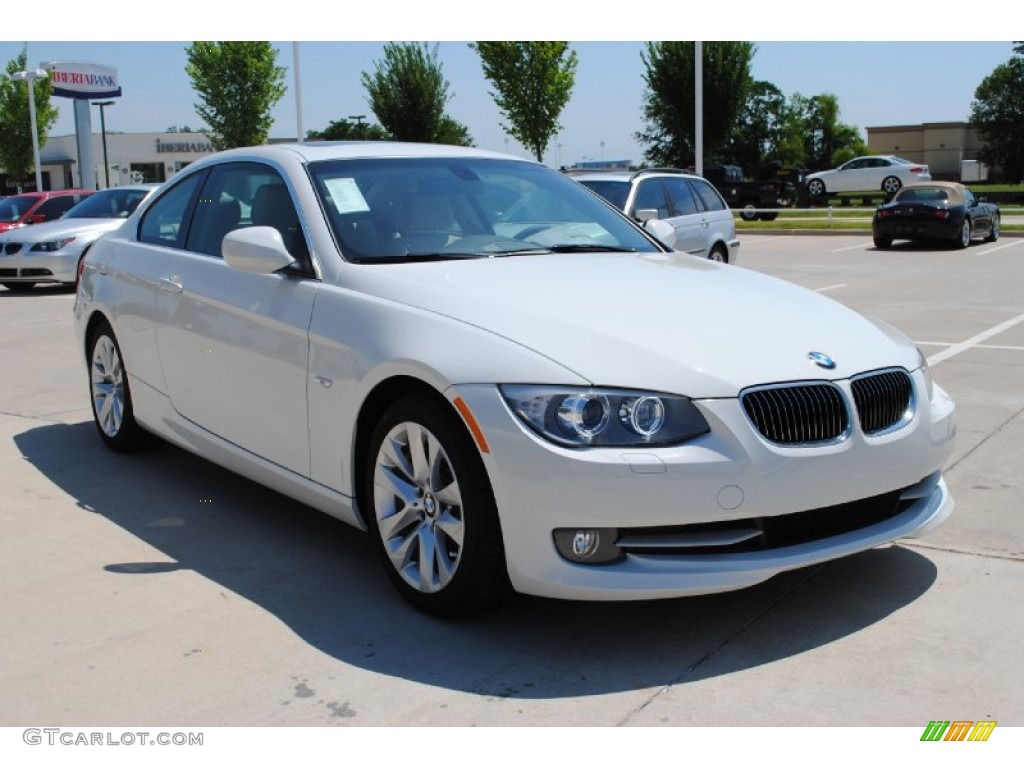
(709, 197)
(650, 195)
(164, 222)
(969, 198)
(238, 195)
(56, 207)
(681, 196)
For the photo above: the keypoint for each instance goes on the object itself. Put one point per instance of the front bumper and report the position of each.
(731, 474)
(27, 266)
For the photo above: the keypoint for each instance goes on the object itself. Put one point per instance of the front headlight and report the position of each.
(52, 245)
(605, 417)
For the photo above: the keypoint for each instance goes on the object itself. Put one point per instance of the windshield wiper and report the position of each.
(410, 258)
(588, 248)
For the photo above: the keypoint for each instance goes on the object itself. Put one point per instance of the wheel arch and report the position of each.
(383, 394)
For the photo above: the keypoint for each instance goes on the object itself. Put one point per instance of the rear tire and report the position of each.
(882, 242)
(110, 395)
(891, 185)
(719, 253)
(749, 212)
(964, 239)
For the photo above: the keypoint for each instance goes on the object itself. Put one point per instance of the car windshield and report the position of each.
(615, 192)
(108, 204)
(13, 208)
(416, 209)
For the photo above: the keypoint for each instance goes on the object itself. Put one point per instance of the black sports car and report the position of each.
(935, 210)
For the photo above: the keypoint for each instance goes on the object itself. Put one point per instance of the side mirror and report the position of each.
(662, 230)
(256, 250)
(646, 214)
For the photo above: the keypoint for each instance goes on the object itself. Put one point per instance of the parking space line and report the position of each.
(830, 287)
(1004, 347)
(851, 247)
(1000, 247)
(974, 341)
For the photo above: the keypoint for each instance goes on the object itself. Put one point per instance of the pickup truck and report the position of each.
(778, 188)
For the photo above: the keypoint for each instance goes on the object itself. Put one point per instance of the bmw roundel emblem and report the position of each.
(821, 360)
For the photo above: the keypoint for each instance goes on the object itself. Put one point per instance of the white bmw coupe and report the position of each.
(503, 379)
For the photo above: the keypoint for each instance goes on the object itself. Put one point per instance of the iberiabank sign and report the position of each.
(83, 80)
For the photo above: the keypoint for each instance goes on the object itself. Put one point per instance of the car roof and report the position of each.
(628, 176)
(55, 193)
(954, 190)
(313, 151)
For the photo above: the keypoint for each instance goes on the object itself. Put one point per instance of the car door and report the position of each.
(234, 345)
(719, 225)
(683, 215)
(851, 176)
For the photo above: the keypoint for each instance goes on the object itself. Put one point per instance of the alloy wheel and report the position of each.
(106, 377)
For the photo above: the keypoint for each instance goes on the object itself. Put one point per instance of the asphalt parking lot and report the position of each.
(160, 589)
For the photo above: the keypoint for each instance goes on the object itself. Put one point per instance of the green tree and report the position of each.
(758, 133)
(997, 113)
(813, 124)
(408, 94)
(344, 130)
(532, 81)
(238, 83)
(15, 124)
(669, 99)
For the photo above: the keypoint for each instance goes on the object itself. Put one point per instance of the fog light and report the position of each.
(593, 546)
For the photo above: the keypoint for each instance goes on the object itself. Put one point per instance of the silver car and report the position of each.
(885, 172)
(702, 222)
(51, 252)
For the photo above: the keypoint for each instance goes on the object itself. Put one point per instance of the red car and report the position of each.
(36, 207)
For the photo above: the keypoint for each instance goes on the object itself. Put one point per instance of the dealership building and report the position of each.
(950, 150)
(130, 158)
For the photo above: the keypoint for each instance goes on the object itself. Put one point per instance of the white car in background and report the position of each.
(887, 173)
(51, 252)
(503, 378)
(700, 217)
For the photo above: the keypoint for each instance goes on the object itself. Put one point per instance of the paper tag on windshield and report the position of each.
(346, 196)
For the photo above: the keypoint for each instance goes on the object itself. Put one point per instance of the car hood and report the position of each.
(51, 230)
(666, 322)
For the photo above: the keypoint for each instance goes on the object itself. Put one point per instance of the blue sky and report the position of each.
(878, 83)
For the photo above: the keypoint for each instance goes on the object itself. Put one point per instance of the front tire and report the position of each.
(816, 188)
(110, 395)
(431, 510)
(18, 287)
(993, 233)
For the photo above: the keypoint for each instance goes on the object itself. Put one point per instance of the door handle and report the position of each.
(170, 284)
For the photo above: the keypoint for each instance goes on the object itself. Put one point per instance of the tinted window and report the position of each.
(56, 207)
(164, 222)
(13, 208)
(709, 197)
(615, 192)
(117, 203)
(650, 195)
(238, 195)
(681, 196)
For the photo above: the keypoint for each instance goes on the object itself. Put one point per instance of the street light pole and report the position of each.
(30, 76)
(103, 131)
